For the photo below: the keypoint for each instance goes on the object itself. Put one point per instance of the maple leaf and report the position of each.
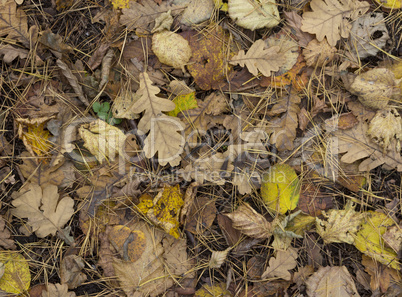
(260, 59)
(46, 214)
(250, 222)
(281, 264)
(329, 18)
(341, 225)
(14, 22)
(283, 128)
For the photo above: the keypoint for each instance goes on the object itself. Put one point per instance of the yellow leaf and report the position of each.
(16, 278)
(369, 239)
(35, 137)
(119, 4)
(391, 4)
(213, 291)
(280, 188)
(183, 102)
(165, 209)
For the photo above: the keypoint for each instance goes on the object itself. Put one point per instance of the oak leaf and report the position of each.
(259, 58)
(294, 22)
(331, 281)
(46, 214)
(250, 222)
(5, 236)
(283, 128)
(280, 265)
(57, 290)
(330, 18)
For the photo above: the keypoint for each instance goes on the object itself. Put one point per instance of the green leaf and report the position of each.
(280, 188)
(105, 106)
(183, 102)
(96, 107)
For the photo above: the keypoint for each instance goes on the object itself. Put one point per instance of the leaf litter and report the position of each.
(169, 147)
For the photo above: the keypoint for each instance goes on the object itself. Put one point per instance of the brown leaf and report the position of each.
(208, 64)
(57, 290)
(319, 53)
(381, 275)
(281, 264)
(313, 249)
(255, 266)
(5, 236)
(294, 22)
(14, 22)
(201, 216)
(250, 222)
(70, 271)
(231, 235)
(54, 42)
(96, 59)
(283, 128)
(313, 201)
(305, 117)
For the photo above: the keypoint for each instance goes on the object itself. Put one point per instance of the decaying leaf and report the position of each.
(340, 226)
(368, 35)
(46, 214)
(386, 126)
(330, 18)
(375, 87)
(16, 278)
(54, 42)
(288, 49)
(164, 209)
(119, 4)
(57, 290)
(201, 215)
(104, 141)
(208, 64)
(218, 289)
(123, 105)
(250, 222)
(294, 22)
(381, 275)
(283, 236)
(259, 59)
(218, 258)
(280, 265)
(171, 49)
(283, 127)
(369, 239)
(254, 14)
(331, 281)
(129, 244)
(71, 271)
(280, 188)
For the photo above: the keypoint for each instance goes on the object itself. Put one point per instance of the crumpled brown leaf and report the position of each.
(71, 271)
(250, 222)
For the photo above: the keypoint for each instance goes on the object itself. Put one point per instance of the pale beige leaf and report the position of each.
(123, 105)
(280, 265)
(11, 53)
(250, 222)
(254, 14)
(385, 127)
(171, 49)
(318, 53)
(46, 214)
(218, 258)
(340, 226)
(197, 11)
(259, 58)
(393, 238)
(57, 290)
(73, 81)
(163, 22)
(288, 50)
(330, 18)
(331, 281)
(104, 141)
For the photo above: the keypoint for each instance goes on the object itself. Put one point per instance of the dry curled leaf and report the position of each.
(280, 265)
(46, 214)
(331, 281)
(250, 222)
(259, 58)
(330, 18)
(72, 79)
